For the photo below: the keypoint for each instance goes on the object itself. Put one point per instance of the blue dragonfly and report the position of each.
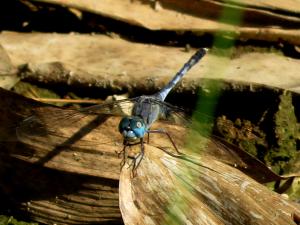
(145, 110)
(148, 108)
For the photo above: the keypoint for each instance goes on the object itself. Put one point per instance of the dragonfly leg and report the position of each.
(137, 159)
(124, 155)
(148, 138)
(161, 131)
(120, 152)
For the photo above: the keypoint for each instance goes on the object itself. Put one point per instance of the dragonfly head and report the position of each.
(132, 128)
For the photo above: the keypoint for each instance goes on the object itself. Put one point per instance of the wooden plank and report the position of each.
(259, 21)
(100, 61)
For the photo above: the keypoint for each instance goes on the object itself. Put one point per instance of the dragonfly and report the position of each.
(148, 108)
(133, 126)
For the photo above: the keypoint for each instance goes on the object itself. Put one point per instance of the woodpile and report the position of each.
(67, 171)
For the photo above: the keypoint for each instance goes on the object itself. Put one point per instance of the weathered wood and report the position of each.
(115, 64)
(75, 182)
(8, 73)
(197, 190)
(67, 173)
(268, 21)
(68, 184)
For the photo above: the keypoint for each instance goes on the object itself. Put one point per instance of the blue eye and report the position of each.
(139, 129)
(124, 123)
(132, 127)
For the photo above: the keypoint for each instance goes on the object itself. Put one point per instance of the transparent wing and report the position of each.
(54, 129)
(168, 112)
(171, 114)
(52, 126)
(218, 147)
(53, 121)
(87, 143)
(48, 119)
(120, 107)
(59, 127)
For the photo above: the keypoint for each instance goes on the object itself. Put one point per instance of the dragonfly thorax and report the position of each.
(132, 128)
(147, 108)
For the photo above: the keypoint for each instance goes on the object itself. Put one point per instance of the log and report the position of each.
(271, 21)
(119, 69)
(197, 189)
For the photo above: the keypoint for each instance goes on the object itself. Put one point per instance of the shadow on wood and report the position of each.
(54, 178)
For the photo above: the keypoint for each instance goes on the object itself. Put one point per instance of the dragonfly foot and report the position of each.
(124, 156)
(122, 163)
(119, 153)
(136, 161)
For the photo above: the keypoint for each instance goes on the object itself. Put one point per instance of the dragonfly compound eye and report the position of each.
(124, 124)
